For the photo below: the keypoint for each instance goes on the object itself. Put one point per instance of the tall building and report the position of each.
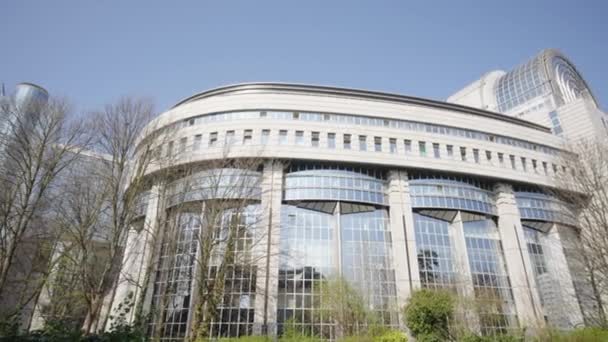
(392, 192)
(547, 90)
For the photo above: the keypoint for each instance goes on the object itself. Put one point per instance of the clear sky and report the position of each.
(93, 52)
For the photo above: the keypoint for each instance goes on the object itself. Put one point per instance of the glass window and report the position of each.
(347, 143)
(534, 165)
(283, 137)
(545, 168)
(512, 158)
(182, 144)
(247, 136)
(296, 115)
(263, 114)
(476, 155)
(450, 150)
(331, 140)
(265, 136)
(314, 139)
(501, 159)
(463, 153)
(378, 144)
(422, 148)
(523, 164)
(230, 137)
(436, 152)
(489, 156)
(170, 149)
(407, 145)
(556, 125)
(362, 143)
(212, 138)
(197, 142)
(393, 145)
(299, 137)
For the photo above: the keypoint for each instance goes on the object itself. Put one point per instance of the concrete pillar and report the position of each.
(46, 294)
(567, 313)
(405, 261)
(519, 265)
(138, 251)
(267, 279)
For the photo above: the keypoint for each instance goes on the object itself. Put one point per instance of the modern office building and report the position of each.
(391, 192)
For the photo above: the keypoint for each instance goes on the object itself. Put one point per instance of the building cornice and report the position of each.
(355, 93)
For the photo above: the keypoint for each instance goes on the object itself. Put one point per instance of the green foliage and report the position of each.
(428, 313)
(293, 333)
(381, 335)
(498, 338)
(63, 331)
(344, 306)
(578, 335)
(391, 336)
(247, 339)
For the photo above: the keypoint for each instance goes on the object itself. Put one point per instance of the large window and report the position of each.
(491, 283)
(177, 268)
(434, 250)
(317, 246)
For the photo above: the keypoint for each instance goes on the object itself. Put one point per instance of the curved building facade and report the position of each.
(392, 193)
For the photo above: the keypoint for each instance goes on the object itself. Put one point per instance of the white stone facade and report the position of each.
(449, 178)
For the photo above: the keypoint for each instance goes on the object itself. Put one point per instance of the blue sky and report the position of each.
(93, 52)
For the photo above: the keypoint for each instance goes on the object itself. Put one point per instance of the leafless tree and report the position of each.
(225, 233)
(99, 202)
(583, 183)
(38, 142)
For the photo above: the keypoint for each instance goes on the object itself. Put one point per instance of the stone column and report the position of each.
(138, 251)
(567, 313)
(519, 265)
(46, 294)
(405, 261)
(267, 279)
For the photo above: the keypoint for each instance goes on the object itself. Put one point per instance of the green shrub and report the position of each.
(391, 336)
(427, 314)
(578, 335)
(247, 339)
(497, 338)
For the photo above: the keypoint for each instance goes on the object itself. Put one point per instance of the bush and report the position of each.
(578, 335)
(497, 338)
(247, 339)
(427, 314)
(391, 336)
(386, 335)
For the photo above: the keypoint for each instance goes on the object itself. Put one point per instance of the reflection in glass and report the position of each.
(490, 279)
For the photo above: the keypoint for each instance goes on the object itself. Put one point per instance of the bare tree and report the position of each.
(583, 183)
(100, 200)
(38, 143)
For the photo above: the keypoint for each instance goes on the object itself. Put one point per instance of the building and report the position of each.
(26, 271)
(391, 192)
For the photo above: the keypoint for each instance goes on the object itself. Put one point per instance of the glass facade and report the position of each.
(541, 207)
(434, 251)
(522, 84)
(216, 183)
(451, 194)
(172, 294)
(318, 246)
(336, 185)
(491, 283)
(335, 224)
(171, 300)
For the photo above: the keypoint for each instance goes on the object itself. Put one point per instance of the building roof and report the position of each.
(354, 93)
